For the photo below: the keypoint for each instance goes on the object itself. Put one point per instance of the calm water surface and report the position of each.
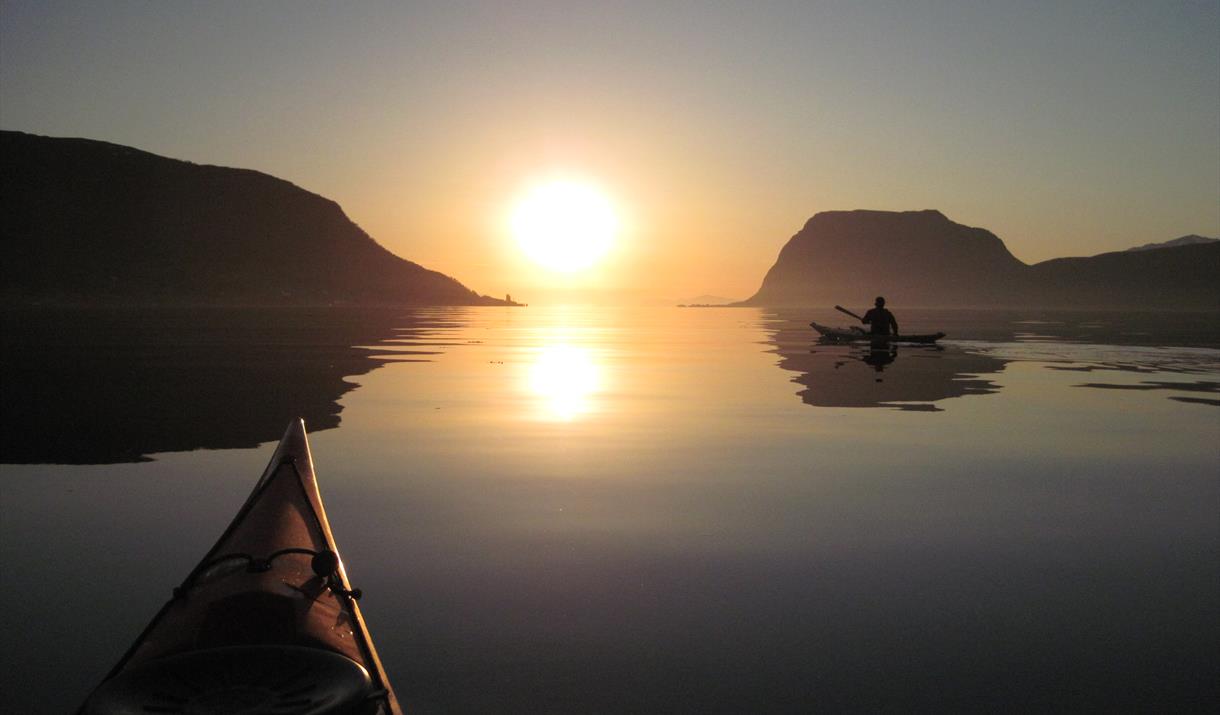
(598, 510)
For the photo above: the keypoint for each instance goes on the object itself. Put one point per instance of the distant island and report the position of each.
(92, 223)
(921, 258)
(1191, 240)
(706, 301)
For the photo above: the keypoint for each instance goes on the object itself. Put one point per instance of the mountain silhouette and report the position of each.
(1185, 276)
(923, 258)
(92, 223)
(1190, 240)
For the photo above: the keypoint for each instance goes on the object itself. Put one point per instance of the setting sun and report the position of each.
(566, 226)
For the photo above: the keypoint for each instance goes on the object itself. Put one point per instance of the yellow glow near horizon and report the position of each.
(563, 225)
(566, 377)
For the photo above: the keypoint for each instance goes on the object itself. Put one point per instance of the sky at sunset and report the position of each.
(714, 129)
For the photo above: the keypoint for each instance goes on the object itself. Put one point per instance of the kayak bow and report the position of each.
(267, 622)
(847, 334)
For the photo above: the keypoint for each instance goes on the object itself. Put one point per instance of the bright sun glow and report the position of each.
(564, 225)
(566, 377)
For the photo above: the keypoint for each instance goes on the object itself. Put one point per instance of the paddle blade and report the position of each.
(841, 309)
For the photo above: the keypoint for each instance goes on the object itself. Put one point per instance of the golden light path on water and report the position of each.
(626, 487)
(567, 378)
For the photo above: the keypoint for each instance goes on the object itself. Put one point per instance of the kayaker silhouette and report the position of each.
(880, 319)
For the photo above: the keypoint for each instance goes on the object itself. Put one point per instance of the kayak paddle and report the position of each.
(845, 310)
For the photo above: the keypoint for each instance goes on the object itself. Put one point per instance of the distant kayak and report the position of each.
(858, 335)
(267, 622)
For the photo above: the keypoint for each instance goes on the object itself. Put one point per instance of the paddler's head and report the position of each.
(880, 302)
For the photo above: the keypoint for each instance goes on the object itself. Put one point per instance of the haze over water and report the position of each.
(604, 510)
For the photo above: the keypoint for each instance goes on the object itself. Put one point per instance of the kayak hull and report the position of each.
(849, 335)
(272, 595)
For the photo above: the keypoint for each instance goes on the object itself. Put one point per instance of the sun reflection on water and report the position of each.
(566, 377)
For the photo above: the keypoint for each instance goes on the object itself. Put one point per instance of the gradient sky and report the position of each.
(1066, 128)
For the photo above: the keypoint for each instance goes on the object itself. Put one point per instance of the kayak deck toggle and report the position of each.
(324, 563)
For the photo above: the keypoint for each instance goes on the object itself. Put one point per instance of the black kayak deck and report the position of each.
(858, 335)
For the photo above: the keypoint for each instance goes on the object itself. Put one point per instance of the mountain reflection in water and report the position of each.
(595, 509)
(98, 387)
(903, 377)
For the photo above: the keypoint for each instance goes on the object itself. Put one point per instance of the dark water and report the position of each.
(596, 510)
